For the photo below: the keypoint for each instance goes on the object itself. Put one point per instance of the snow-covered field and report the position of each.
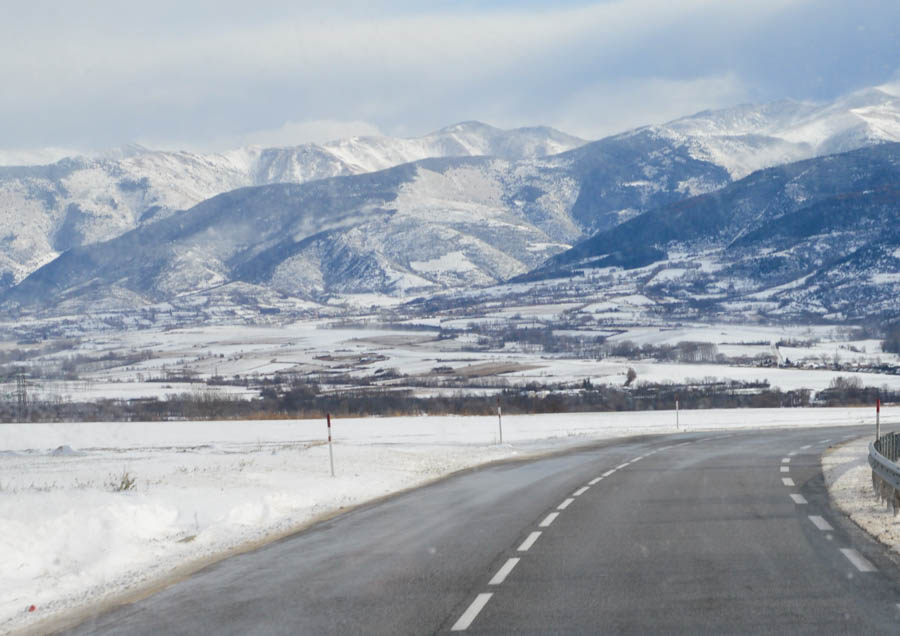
(71, 536)
(154, 362)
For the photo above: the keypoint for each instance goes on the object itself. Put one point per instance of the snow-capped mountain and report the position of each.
(415, 228)
(814, 238)
(747, 138)
(486, 206)
(46, 210)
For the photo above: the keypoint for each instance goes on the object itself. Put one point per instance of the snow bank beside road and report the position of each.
(849, 480)
(70, 535)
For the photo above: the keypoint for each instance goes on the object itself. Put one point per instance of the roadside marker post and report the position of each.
(500, 420)
(877, 418)
(677, 424)
(330, 452)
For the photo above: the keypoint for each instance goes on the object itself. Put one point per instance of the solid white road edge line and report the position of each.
(504, 571)
(798, 499)
(565, 504)
(860, 562)
(529, 541)
(548, 520)
(820, 523)
(469, 615)
(787, 481)
(580, 491)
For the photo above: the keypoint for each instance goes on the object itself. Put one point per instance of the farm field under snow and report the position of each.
(70, 538)
(155, 363)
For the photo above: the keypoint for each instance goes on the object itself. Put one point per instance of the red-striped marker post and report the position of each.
(877, 418)
(330, 452)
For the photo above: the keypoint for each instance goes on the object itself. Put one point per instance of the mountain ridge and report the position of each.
(93, 200)
(823, 226)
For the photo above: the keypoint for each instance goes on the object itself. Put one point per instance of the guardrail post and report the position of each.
(885, 470)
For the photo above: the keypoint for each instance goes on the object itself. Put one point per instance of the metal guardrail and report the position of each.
(883, 455)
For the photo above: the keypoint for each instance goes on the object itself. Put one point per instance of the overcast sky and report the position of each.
(209, 75)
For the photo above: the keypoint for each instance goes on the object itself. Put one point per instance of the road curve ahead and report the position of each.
(695, 533)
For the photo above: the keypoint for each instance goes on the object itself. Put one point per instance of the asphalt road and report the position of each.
(697, 533)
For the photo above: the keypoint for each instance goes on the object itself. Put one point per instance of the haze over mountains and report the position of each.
(331, 221)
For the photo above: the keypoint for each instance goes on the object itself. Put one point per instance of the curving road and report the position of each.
(696, 533)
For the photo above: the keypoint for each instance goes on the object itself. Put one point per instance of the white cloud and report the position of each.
(34, 157)
(204, 73)
(607, 108)
(291, 133)
(892, 87)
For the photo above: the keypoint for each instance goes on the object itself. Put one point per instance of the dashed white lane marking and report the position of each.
(785, 460)
(565, 504)
(792, 453)
(608, 472)
(580, 491)
(529, 541)
(785, 469)
(470, 614)
(825, 441)
(683, 444)
(621, 466)
(805, 447)
(594, 481)
(787, 481)
(548, 520)
(860, 562)
(504, 571)
(798, 499)
(820, 523)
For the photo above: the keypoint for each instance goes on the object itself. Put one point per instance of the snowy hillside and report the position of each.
(817, 237)
(49, 209)
(747, 138)
(466, 206)
(416, 228)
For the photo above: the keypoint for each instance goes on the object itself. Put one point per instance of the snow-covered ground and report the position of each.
(71, 536)
(849, 480)
(153, 362)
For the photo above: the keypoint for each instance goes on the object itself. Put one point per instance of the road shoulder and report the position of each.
(848, 478)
